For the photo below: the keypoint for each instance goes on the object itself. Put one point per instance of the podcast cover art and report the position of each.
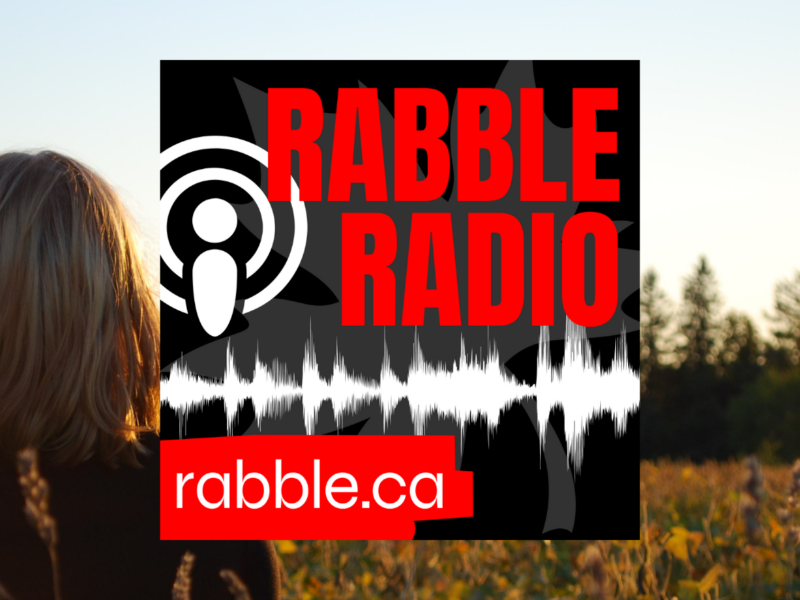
(399, 299)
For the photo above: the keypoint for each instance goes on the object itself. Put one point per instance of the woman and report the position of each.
(79, 382)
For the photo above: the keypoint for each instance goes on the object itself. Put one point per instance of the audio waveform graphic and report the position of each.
(466, 390)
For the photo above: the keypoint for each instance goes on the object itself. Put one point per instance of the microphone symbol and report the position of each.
(215, 273)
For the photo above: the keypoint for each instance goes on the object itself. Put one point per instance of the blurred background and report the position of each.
(713, 384)
(720, 296)
(719, 97)
(719, 154)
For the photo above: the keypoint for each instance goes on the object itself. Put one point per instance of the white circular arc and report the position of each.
(298, 210)
(216, 174)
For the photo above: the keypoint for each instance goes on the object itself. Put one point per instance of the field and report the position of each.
(716, 530)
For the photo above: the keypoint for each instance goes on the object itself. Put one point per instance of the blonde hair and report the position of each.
(79, 326)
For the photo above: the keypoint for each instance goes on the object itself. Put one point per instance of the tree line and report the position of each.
(712, 386)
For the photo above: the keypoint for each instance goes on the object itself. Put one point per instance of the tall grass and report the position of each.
(712, 530)
(36, 492)
(715, 530)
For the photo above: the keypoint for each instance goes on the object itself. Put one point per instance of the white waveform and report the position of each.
(469, 389)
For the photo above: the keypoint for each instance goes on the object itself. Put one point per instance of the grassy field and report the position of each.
(717, 530)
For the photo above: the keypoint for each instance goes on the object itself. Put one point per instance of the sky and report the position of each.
(720, 98)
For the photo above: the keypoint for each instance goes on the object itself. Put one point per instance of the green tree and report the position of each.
(656, 384)
(654, 319)
(767, 415)
(787, 317)
(696, 393)
(700, 326)
(742, 352)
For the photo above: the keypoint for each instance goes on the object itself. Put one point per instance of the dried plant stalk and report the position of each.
(182, 588)
(36, 492)
(236, 586)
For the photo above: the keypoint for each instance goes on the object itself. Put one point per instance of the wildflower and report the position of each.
(792, 537)
(594, 567)
(751, 500)
(754, 479)
(794, 487)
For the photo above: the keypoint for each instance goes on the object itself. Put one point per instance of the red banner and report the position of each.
(309, 487)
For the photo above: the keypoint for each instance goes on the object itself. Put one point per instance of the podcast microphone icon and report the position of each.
(214, 272)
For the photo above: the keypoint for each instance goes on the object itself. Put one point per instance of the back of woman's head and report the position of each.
(79, 332)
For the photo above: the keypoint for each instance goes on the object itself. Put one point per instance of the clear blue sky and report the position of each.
(720, 97)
